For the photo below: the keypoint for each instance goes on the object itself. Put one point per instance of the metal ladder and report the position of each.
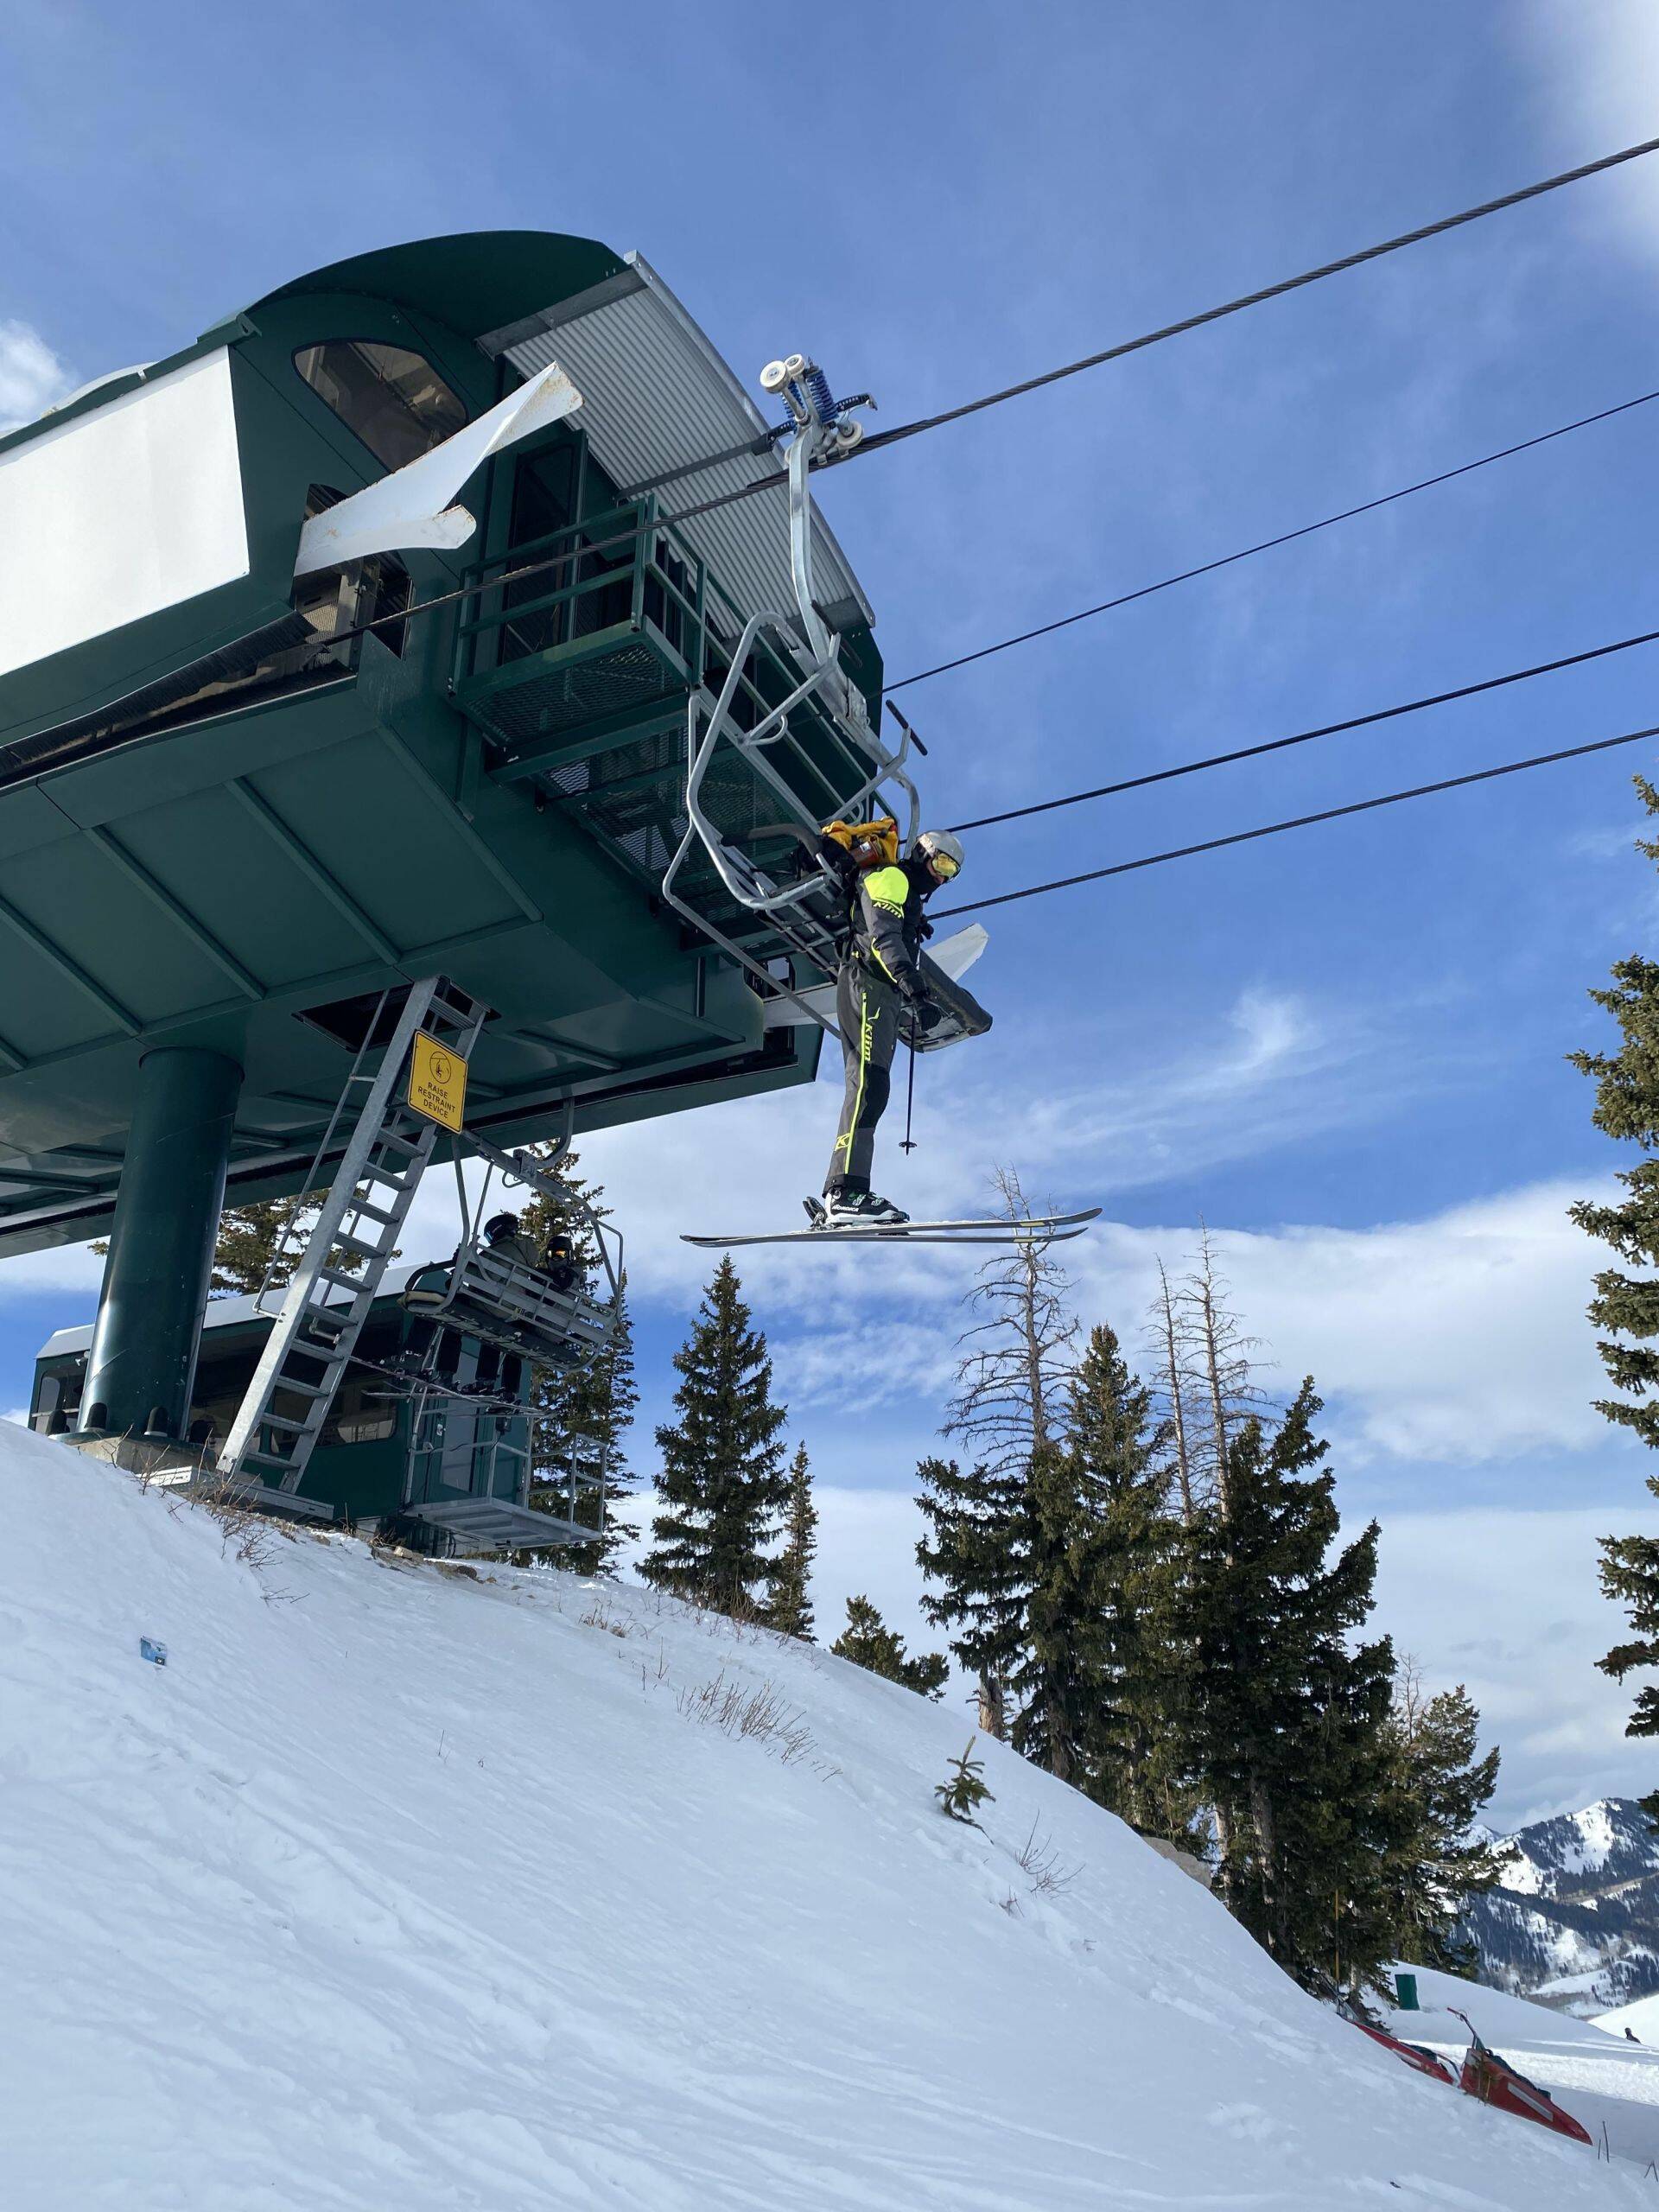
(293, 1388)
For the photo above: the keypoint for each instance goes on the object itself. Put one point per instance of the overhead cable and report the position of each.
(880, 439)
(1297, 822)
(1307, 736)
(1267, 544)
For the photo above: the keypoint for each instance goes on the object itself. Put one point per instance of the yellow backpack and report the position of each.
(883, 832)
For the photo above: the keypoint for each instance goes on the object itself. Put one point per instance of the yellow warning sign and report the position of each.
(437, 1082)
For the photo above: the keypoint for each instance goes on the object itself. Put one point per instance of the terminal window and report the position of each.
(393, 399)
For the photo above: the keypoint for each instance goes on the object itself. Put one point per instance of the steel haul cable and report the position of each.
(1267, 544)
(881, 439)
(1298, 821)
(1307, 736)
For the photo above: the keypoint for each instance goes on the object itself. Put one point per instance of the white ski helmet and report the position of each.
(942, 850)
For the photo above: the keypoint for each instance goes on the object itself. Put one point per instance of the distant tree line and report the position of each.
(1146, 1582)
(1626, 1304)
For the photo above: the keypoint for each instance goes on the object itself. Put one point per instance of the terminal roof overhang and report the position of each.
(656, 393)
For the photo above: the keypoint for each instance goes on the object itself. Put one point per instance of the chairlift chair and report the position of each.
(503, 1301)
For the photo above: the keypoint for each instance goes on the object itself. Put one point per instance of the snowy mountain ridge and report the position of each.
(457, 1890)
(1574, 1920)
(1574, 1854)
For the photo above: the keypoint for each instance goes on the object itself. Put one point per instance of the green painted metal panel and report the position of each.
(475, 281)
(143, 1360)
(206, 884)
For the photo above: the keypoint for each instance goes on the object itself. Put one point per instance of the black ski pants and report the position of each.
(868, 1012)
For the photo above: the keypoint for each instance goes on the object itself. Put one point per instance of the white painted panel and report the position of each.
(120, 513)
(411, 507)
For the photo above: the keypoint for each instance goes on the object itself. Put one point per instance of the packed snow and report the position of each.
(1600, 2078)
(1641, 2018)
(402, 1887)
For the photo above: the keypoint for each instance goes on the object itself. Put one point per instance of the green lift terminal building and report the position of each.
(265, 823)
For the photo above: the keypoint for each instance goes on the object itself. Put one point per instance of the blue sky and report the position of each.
(1343, 1049)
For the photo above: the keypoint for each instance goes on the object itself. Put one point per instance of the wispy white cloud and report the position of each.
(66, 1268)
(1611, 842)
(1598, 60)
(1459, 1338)
(31, 375)
(1507, 1602)
(869, 1359)
(1281, 1070)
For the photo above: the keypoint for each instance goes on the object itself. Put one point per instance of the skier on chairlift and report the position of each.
(506, 1236)
(880, 994)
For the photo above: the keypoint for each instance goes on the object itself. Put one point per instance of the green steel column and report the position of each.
(156, 1280)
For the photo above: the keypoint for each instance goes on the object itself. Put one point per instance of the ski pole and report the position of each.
(907, 1143)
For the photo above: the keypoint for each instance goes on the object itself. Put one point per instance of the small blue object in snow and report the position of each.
(156, 1653)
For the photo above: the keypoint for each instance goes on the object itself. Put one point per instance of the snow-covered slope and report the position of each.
(397, 1889)
(1641, 2018)
(1601, 2079)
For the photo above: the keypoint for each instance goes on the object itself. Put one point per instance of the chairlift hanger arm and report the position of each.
(523, 1166)
(535, 1174)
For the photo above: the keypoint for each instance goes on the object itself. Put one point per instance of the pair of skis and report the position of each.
(1045, 1229)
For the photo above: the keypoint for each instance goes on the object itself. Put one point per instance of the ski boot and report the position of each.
(857, 1210)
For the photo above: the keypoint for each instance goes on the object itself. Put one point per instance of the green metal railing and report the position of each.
(595, 634)
(585, 672)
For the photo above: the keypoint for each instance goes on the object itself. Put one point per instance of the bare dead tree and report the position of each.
(1016, 1360)
(1205, 1372)
(1218, 1370)
(1016, 1357)
(1166, 1340)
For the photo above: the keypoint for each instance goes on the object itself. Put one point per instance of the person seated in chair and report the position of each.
(507, 1238)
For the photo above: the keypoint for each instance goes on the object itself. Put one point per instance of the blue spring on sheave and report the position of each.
(817, 390)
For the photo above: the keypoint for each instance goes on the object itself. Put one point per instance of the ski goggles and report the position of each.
(944, 866)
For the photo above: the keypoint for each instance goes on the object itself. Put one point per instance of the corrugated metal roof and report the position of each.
(655, 395)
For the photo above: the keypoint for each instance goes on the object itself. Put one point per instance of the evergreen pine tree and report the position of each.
(1057, 1673)
(723, 1486)
(965, 1789)
(975, 1560)
(1287, 1722)
(791, 1608)
(868, 1642)
(248, 1240)
(1441, 1784)
(1629, 1575)
(582, 1415)
(1627, 1305)
(1121, 1573)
